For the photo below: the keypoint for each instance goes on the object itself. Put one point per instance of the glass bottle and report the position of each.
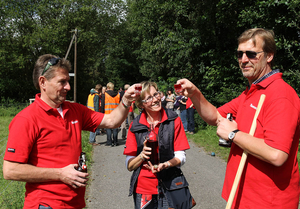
(82, 163)
(223, 142)
(152, 142)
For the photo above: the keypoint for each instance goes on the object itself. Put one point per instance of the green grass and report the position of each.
(11, 110)
(12, 193)
(208, 139)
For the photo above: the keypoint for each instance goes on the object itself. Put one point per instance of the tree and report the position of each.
(181, 39)
(30, 28)
(144, 40)
(198, 40)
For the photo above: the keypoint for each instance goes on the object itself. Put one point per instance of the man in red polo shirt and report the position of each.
(44, 140)
(271, 175)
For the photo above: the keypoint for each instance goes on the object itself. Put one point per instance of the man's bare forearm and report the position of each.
(29, 173)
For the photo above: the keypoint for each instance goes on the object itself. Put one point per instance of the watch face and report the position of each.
(231, 135)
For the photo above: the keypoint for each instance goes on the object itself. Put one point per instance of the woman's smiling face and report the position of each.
(155, 104)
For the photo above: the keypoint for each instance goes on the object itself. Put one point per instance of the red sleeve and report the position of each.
(280, 135)
(91, 119)
(131, 145)
(180, 141)
(20, 128)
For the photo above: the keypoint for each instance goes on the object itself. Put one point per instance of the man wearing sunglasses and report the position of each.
(271, 176)
(44, 141)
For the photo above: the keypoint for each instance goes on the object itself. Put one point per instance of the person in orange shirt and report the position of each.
(93, 103)
(110, 101)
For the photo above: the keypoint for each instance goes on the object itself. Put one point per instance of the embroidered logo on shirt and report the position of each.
(253, 106)
(73, 122)
(11, 150)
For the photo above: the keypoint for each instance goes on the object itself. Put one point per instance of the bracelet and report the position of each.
(169, 165)
(126, 106)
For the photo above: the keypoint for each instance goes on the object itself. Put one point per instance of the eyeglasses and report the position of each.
(52, 61)
(157, 95)
(249, 54)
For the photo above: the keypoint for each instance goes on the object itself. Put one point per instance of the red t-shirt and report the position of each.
(263, 185)
(189, 103)
(147, 182)
(39, 136)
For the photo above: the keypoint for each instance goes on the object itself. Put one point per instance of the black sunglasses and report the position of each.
(52, 61)
(249, 54)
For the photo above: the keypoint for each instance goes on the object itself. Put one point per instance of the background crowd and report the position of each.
(177, 102)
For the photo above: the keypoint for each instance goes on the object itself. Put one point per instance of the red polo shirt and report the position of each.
(147, 182)
(39, 136)
(263, 185)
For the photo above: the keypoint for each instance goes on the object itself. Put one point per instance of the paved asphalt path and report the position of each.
(109, 179)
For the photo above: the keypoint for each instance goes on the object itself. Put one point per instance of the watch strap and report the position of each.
(235, 131)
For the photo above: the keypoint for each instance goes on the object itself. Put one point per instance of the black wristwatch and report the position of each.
(232, 135)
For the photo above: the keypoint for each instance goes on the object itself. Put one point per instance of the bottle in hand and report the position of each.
(82, 163)
(223, 142)
(152, 142)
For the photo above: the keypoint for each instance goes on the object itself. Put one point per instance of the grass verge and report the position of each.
(208, 139)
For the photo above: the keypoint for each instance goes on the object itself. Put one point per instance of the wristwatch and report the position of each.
(232, 135)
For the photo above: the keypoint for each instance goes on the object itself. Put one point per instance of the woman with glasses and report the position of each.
(172, 143)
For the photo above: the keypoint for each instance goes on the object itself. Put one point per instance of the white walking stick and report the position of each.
(245, 154)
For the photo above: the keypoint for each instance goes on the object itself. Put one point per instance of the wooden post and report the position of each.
(75, 60)
(75, 67)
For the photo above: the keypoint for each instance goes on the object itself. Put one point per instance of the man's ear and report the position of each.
(42, 82)
(270, 57)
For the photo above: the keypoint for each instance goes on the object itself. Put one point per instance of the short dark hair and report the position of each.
(49, 74)
(98, 87)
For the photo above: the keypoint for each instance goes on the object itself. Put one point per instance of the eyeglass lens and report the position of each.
(52, 61)
(157, 95)
(249, 54)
